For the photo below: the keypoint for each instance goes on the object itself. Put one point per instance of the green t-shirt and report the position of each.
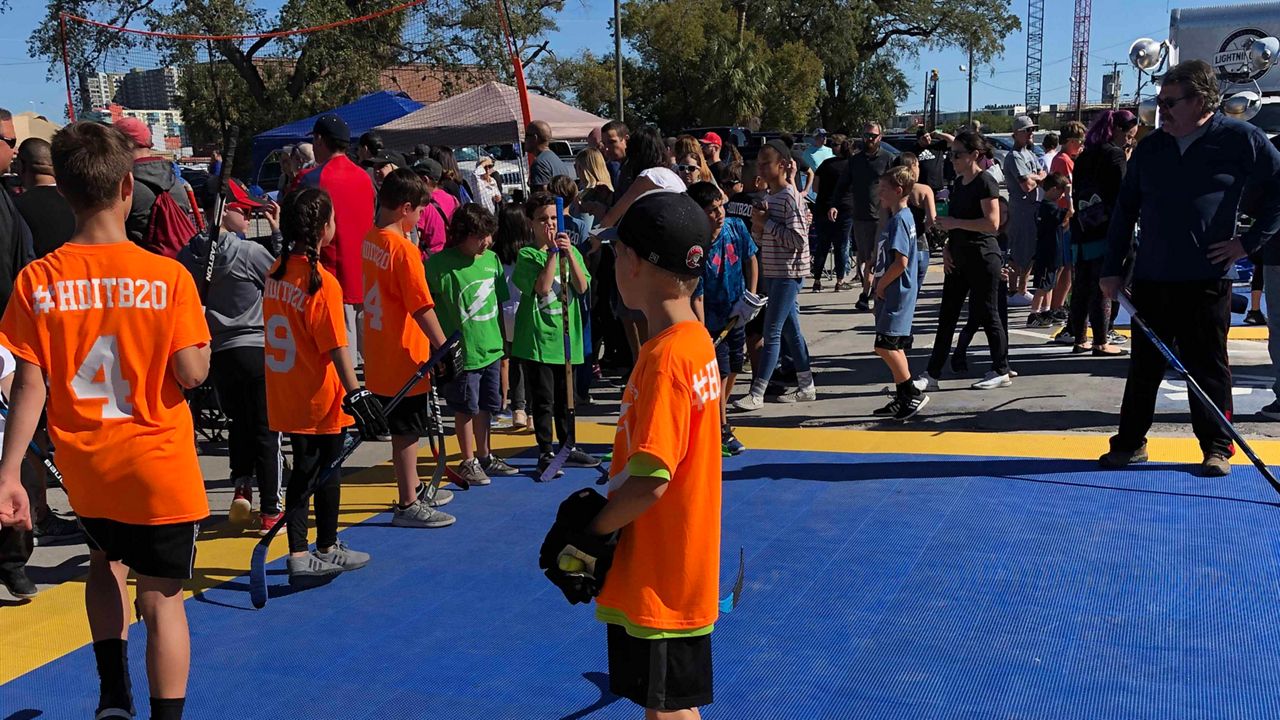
(539, 320)
(469, 292)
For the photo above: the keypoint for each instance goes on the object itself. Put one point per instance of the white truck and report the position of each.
(1222, 36)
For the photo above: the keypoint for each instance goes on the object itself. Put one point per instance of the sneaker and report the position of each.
(53, 530)
(863, 305)
(1020, 300)
(749, 402)
(1040, 320)
(959, 363)
(891, 409)
(311, 568)
(1065, 338)
(1033, 319)
(804, 394)
(910, 406)
(241, 510)
(844, 285)
(1059, 316)
(544, 462)
(992, 381)
(443, 496)
(421, 515)
(1215, 465)
(496, 466)
(344, 557)
(519, 420)
(471, 471)
(1272, 411)
(1254, 317)
(1117, 459)
(817, 285)
(16, 580)
(581, 459)
(1115, 338)
(925, 382)
(114, 713)
(1012, 373)
(730, 443)
(266, 522)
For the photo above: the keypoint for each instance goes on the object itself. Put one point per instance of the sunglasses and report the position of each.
(12, 142)
(1170, 103)
(686, 168)
(870, 136)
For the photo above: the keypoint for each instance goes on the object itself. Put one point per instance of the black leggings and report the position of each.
(972, 325)
(240, 378)
(977, 277)
(1087, 302)
(545, 387)
(312, 455)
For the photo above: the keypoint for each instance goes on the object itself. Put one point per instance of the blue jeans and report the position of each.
(832, 236)
(781, 315)
(1271, 292)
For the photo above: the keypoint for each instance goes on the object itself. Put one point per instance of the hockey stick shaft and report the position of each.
(45, 458)
(219, 207)
(1127, 303)
(570, 419)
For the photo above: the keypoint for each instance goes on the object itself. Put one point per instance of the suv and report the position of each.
(507, 171)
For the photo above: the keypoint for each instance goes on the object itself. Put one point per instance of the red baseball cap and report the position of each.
(711, 139)
(135, 130)
(240, 197)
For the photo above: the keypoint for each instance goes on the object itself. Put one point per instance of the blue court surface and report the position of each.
(878, 586)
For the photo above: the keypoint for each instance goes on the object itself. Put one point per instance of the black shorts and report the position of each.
(731, 352)
(160, 551)
(672, 674)
(1044, 277)
(410, 416)
(475, 390)
(893, 342)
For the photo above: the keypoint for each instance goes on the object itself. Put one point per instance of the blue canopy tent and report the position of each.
(361, 115)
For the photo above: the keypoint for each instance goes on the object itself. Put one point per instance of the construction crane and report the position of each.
(1035, 54)
(1080, 54)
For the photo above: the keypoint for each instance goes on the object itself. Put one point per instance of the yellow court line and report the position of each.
(1235, 332)
(54, 623)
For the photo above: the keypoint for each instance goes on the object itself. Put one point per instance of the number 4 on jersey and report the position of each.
(103, 361)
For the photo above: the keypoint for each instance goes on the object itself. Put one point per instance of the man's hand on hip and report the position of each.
(1227, 251)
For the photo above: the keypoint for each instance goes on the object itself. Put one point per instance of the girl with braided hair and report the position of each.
(308, 369)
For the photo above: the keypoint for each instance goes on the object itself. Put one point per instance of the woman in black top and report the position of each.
(972, 260)
(1096, 185)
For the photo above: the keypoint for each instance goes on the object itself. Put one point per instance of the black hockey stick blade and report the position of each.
(258, 560)
(1194, 387)
(730, 601)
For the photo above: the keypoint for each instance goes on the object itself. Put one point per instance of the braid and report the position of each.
(303, 218)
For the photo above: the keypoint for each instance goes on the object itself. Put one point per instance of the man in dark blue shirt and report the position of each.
(1184, 185)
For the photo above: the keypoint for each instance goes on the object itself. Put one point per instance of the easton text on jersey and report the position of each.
(94, 293)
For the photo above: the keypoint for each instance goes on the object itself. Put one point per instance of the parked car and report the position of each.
(567, 150)
(507, 170)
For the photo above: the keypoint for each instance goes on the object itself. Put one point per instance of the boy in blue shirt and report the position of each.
(897, 288)
(1048, 257)
(730, 271)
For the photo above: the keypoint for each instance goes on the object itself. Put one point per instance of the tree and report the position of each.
(259, 83)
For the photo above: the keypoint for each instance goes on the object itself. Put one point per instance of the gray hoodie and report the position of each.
(233, 303)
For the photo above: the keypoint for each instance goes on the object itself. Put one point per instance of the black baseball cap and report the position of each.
(428, 168)
(386, 157)
(332, 127)
(669, 230)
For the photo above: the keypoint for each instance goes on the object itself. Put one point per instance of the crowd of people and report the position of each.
(667, 263)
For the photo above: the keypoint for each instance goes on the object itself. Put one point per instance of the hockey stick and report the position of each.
(258, 561)
(46, 459)
(436, 440)
(1127, 303)
(570, 420)
(729, 602)
(219, 207)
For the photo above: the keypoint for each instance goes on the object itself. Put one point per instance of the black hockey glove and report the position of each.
(449, 366)
(367, 411)
(574, 559)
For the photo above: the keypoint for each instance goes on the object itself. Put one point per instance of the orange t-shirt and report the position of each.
(304, 394)
(395, 287)
(666, 569)
(101, 322)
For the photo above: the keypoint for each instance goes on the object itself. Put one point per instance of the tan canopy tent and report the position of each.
(486, 115)
(28, 124)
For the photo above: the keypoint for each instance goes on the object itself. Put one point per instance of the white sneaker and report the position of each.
(1020, 300)
(992, 381)
(749, 402)
(925, 382)
(808, 394)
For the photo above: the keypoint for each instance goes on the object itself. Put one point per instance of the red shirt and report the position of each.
(353, 207)
(1065, 164)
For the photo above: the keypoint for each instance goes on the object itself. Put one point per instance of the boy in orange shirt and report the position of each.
(400, 329)
(660, 595)
(114, 333)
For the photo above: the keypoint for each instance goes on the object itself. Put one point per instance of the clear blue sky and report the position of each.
(583, 24)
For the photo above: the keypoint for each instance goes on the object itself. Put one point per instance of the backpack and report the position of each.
(169, 228)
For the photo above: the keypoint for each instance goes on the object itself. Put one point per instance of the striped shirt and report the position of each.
(784, 245)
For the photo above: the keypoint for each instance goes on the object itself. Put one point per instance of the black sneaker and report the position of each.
(1271, 411)
(1254, 317)
(544, 462)
(581, 459)
(1040, 320)
(1059, 316)
(863, 305)
(730, 443)
(893, 408)
(1032, 319)
(19, 585)
(910, 406)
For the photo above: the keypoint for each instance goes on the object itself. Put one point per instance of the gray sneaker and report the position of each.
(344, 557)
(471, 471)
(494, 465)
(311, 568)
(421, 515)
(53, 530)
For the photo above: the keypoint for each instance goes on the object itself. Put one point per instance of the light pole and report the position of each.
(969, 68)
(617, 53)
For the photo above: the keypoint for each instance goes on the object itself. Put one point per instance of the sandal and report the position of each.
(1078, 349)
(1113, 352)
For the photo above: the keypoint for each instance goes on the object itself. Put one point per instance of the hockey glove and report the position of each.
(450, 365)
(748, 307)
(574, 559)
(361, 405)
